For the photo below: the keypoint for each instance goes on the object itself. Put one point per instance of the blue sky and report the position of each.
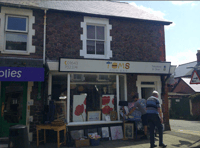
(182, 37)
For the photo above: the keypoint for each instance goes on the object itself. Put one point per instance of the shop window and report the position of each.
(96, 38)
(92, 97)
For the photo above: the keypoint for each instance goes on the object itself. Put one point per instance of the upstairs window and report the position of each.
(16, 32)
(96, 38)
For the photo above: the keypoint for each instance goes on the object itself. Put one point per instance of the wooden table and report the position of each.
(51, 127)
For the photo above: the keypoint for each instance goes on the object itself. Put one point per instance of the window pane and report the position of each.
(90, 94)
(100, 32)
(100, 48)
(16, 23)
(90, 32)
(16, 41)
(90, 47)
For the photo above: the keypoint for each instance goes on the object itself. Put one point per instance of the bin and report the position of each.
(18, 137)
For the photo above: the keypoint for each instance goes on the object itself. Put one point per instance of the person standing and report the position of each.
(140, 104)
(154, 115)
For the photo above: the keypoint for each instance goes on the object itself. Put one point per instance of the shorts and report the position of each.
(144, 120)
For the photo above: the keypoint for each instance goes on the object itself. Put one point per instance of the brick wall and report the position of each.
(131, 40)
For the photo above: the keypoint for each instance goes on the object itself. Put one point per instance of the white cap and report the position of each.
(155, 92)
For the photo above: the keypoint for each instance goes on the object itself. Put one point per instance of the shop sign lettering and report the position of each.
(114, 66)
(71, 64)
(21, 74)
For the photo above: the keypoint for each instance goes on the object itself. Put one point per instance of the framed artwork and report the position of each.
(113, 115)
(116, 132)
(79, 107)
(105, 132)
(129, 130)
(107, 105)
(93, 115)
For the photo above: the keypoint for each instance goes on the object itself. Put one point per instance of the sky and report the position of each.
(182, 37)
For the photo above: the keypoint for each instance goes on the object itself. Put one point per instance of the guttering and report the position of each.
(44, 36)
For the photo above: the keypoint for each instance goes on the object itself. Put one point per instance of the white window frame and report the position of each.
(96, 22)
(16, 12)
(8, 30)
(16, 31)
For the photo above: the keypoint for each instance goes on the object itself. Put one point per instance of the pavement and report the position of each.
(173, 139)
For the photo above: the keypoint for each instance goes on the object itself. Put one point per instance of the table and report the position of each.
(56, 128)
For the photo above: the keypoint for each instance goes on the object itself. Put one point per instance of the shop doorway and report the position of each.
(146, 92)
(13, 105)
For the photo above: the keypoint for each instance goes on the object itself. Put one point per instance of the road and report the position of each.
(184, 126)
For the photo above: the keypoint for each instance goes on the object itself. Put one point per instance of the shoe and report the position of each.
(154, 146)
(144, 137)
(163, 145)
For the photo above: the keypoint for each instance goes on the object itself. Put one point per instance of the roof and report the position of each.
(105, 8)
(182, 70)
(195, 87)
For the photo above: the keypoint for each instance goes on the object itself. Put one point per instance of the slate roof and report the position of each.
(195, 87)
(182, 70)
(105, 8)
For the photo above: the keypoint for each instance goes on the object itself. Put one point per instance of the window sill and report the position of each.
(92, 123)
(15, 52)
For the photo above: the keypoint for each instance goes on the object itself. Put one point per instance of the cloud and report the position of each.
(150, 10)
(170, 26)
(182, 57)
(183, 2)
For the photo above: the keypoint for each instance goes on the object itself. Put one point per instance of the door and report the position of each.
(13, 105)
(147, 92)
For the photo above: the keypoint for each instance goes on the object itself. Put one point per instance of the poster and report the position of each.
(79, 108)
(107, 105)
(116, 132)
(105, 132)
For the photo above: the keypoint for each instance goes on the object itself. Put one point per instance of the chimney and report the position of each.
(198, 56)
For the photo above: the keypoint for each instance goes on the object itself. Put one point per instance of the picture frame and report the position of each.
(93, 115)
(113, 115)
(129, 130)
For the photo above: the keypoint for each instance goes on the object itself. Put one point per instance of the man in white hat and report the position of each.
(155, 118)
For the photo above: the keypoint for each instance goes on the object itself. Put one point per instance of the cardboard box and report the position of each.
(80, 143)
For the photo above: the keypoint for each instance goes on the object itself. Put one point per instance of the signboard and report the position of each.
(21, 74)
(81, 65)
(195, 78)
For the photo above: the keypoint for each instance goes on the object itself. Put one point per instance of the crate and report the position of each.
(81, 143)
(94, 142)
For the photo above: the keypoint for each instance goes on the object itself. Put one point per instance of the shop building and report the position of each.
(97, 57)
(21, 68)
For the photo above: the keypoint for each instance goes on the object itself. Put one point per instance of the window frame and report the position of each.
(107, 43)
(96, 40)
(16, 31)
(68, 96)
(30, 31)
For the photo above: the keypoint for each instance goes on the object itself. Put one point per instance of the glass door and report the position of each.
(13, 105)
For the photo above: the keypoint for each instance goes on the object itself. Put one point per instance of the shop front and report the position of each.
(90, 90)
(15, 100)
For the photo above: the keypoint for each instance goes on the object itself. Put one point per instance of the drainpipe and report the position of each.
(44, 39)
(44, 51)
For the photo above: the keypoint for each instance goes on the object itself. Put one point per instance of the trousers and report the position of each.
(154, 121)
